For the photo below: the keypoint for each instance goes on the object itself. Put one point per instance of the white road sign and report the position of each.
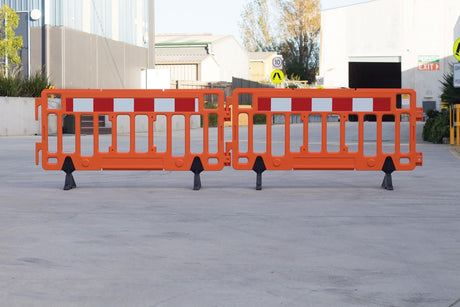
(277, 62)
(457, 75)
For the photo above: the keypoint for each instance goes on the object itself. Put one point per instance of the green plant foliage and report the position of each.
(436, 126)
(450, 94)
(9, 42)
(17, 86)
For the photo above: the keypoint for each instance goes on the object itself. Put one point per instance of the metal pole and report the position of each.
(151, 51)
(6, 50)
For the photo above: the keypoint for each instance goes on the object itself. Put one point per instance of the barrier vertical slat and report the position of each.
(78, 133)
(59, 132)
(250, 132)
(150, 134)
(187, 133)
(114, 147)
(95, 132)
(306, 122)
(398, 134)
(169, 134)
(269, 136)
(342, 134)
(287, 134)
(323, 132)
(379, 121)
(361, 134)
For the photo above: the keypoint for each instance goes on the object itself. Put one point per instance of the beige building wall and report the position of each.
(260, 65)
(77, 59)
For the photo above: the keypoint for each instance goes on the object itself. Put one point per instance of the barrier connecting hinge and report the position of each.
(419, 159)
(419, 115)
(228, 109)
(227, 154)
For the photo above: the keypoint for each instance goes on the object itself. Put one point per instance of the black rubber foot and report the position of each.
(259, 168)
(387, 183)
(388, 168)
(68, 167)
(69, 182)
(197, 168)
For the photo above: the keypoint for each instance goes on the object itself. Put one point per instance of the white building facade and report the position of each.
(390, 43)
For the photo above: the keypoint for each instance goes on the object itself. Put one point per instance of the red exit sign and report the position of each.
(428, 62)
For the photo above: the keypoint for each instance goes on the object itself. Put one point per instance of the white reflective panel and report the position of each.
(363, 105)
(281, 104)
(321, 104)
(164, 105)
(83, 105)
(123, 105)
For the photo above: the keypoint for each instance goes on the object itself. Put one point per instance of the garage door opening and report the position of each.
(374, 75)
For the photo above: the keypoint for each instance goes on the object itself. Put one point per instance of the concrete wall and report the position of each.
(80, 60)
(17, 117)
(390, 31)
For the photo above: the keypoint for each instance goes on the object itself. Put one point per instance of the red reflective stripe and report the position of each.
(342, 104)
(301, 104)
(185, 104)
(103, 105)
(382, 104)
(264, 104)
(69, 104)
(144, 105)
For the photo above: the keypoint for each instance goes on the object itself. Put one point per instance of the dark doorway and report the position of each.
(374, 75)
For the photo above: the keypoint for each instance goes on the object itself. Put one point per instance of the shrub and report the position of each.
(18, 86)
(436, 126)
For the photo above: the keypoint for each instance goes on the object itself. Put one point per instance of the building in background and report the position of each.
(260, 65)
(201, 58)
(390, 44)
(88, 43)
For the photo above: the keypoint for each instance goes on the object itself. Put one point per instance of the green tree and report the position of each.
(9, 42)
(290, 27)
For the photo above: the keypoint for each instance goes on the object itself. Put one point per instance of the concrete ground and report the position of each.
(309, 238)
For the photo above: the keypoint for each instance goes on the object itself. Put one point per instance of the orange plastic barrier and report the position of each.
(324, 109)
(133, 130)
(96, 108)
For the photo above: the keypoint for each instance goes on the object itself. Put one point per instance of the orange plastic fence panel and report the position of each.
(123, 111)
(366, 107)
(286, 129)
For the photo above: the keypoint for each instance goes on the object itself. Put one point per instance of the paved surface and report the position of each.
(309, 238)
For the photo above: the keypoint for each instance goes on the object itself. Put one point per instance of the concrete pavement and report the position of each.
(309, 238)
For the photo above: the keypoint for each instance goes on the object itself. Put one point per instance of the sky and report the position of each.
(218, 17)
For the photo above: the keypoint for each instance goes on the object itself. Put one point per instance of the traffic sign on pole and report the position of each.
(277, 62)
(457, 49)
(277, 76)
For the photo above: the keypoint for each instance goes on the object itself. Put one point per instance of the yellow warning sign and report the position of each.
(457, 49)
(277, 76)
